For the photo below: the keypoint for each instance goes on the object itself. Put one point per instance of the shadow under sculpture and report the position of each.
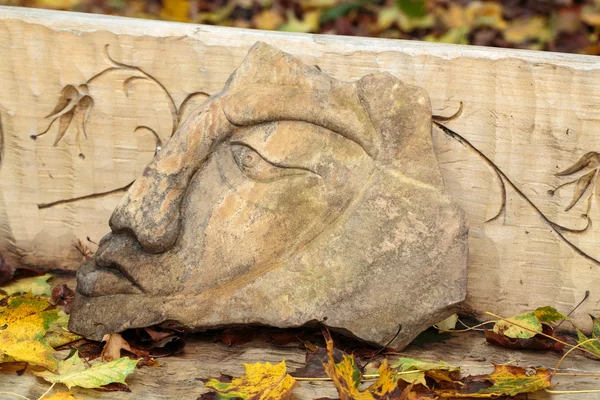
(288, 198)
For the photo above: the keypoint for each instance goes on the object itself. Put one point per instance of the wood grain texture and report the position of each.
(527, 115)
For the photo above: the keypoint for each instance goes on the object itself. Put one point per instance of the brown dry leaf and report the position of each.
(537, 342)
(62, 295)
(114, 344)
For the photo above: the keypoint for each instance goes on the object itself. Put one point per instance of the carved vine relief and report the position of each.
(75, 105)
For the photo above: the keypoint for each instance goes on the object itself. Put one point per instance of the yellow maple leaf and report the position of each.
(175, 10)
(268, 20)
(57, 4)
(309, 22)
(261, 382)
(25, 323)
(60, 396)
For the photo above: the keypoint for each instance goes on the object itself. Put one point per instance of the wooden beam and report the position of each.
(526, 117)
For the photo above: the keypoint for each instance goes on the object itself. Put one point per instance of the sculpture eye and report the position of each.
(254, 166)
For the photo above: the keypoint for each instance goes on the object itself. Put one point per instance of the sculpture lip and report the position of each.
(105, 274)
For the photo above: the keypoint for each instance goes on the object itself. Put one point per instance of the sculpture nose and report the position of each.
(150, 210)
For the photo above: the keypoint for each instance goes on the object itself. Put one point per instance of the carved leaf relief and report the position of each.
(589, 162)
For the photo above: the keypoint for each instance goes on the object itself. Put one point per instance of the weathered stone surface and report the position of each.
(289, 198)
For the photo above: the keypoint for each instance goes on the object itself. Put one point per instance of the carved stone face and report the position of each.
(284, 201)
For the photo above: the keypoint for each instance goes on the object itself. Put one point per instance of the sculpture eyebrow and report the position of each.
(270, 103)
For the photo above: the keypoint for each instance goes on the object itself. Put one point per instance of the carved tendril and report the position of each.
(589, 160)
(75, 103)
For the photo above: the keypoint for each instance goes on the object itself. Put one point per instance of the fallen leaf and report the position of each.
(57, 4)
(309, 23)
(38, 286)
(261, 382)
(26, 322)
(115, 387)
(480, 14)
(345, 375)
(592, 346)
(60, 396)
(412, 8)
(506, 380)
(548, 314)
(590, 14)
(338, 11)
(175, 10)
(314, 363)
(448, 324)
(236, 337)
(58, 334)
(537, 342)
(521, 30)
(156, 334)
(386, 386)
(268, 20)
(423, 368)
(509, 380)
(114, 344)
(72, 372)
(526, 320)
(62, 295)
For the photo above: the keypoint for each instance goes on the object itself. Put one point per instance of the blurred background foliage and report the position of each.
(555, 25)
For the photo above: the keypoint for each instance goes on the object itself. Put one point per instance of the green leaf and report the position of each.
(420, 368)
(412, 8)
(509, 380)
(36, 285)
(548, 315)
(596, 327)
(527, 320)
(72, 372)
(25, 323)
(58, 334)
(593, 347)
(448, 324)
(339, 11)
